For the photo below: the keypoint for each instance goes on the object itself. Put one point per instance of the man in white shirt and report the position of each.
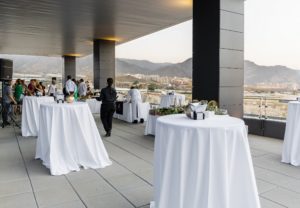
(135, 97)
(70, 86)
(52, 88)
(82, 88)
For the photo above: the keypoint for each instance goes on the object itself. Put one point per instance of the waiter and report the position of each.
(135, 97)
(108, 96)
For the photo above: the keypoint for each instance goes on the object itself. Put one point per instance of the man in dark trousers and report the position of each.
(108, 96)
(8, 99)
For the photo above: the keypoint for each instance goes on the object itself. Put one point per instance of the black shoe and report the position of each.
(135, 122)
(107, 134)
(6, 123)
(142, 120)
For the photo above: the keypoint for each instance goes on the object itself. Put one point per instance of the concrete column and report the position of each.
(69, 67)
(104, 62)
(218, 53)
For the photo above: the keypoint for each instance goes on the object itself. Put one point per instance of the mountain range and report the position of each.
(254, 73)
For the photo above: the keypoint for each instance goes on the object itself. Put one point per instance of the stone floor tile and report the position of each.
(93, 188)
(114, 200)
(265, 203)
(55, 196)
(20, 186)
(73, 204)
(139, 196)
(283, 197)
(263, 186)
(25, 200)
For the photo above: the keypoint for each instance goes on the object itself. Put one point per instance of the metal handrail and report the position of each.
(263, 105)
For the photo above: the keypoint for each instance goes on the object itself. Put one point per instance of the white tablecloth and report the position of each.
(95, 106)
(203, 164)
(291, 144)
(30, 114)
(150, 125)
(169, 100)
(143, 111)
(69, 139)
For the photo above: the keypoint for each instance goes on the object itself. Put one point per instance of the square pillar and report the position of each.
(69, 67)
(218, 53)
(104, 62)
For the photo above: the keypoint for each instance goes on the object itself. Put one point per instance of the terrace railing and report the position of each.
(264, 107)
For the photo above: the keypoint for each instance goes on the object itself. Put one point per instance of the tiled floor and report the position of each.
(26, 183)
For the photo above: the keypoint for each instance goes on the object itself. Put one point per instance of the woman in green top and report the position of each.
(76, 90)
(18, 91)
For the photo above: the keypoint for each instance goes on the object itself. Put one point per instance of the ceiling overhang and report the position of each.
(60, 27)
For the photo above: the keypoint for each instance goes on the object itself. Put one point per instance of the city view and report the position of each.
(267, 89)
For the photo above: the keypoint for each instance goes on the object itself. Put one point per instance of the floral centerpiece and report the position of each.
(70, 99)
(167, 111)
(204, 108)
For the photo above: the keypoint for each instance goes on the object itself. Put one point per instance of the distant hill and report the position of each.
(143, 64)
(183, 69)
(254, 73)
(126, 66)
(35, 64)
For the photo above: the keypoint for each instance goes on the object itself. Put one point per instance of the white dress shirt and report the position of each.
(135, 99)
(70, 86)
(135, 95)
(82, 89)
(52, 89)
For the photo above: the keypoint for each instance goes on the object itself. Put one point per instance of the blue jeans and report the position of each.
(7, 111)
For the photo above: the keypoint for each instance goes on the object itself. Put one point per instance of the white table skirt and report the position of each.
(150, 125)
(143, 111)
(169, 100)
(30, 114)
(203, 164)
(291, 144)
(69, 139)
(94, 105)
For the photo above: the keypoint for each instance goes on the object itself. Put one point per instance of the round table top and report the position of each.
(64, 105)
(38, 98)
(217, 121)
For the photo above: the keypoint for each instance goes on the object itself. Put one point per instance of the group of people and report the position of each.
(13, 94)
(20, 89)
(78, 89)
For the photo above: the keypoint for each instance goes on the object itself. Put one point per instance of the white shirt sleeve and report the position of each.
(70, 86)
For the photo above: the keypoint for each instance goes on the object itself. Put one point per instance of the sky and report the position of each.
(272, 37)
(172, 45)
(272, 32)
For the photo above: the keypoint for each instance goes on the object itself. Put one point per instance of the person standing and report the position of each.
(8, 99)
(18, 91)
(135, 97)
(31, 88)
(52, 88)
(43, 87)
(108, 96)
(75, 94)
(82, 88)
(70, 86)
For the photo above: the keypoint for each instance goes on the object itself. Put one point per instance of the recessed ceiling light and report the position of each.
(73, 54)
